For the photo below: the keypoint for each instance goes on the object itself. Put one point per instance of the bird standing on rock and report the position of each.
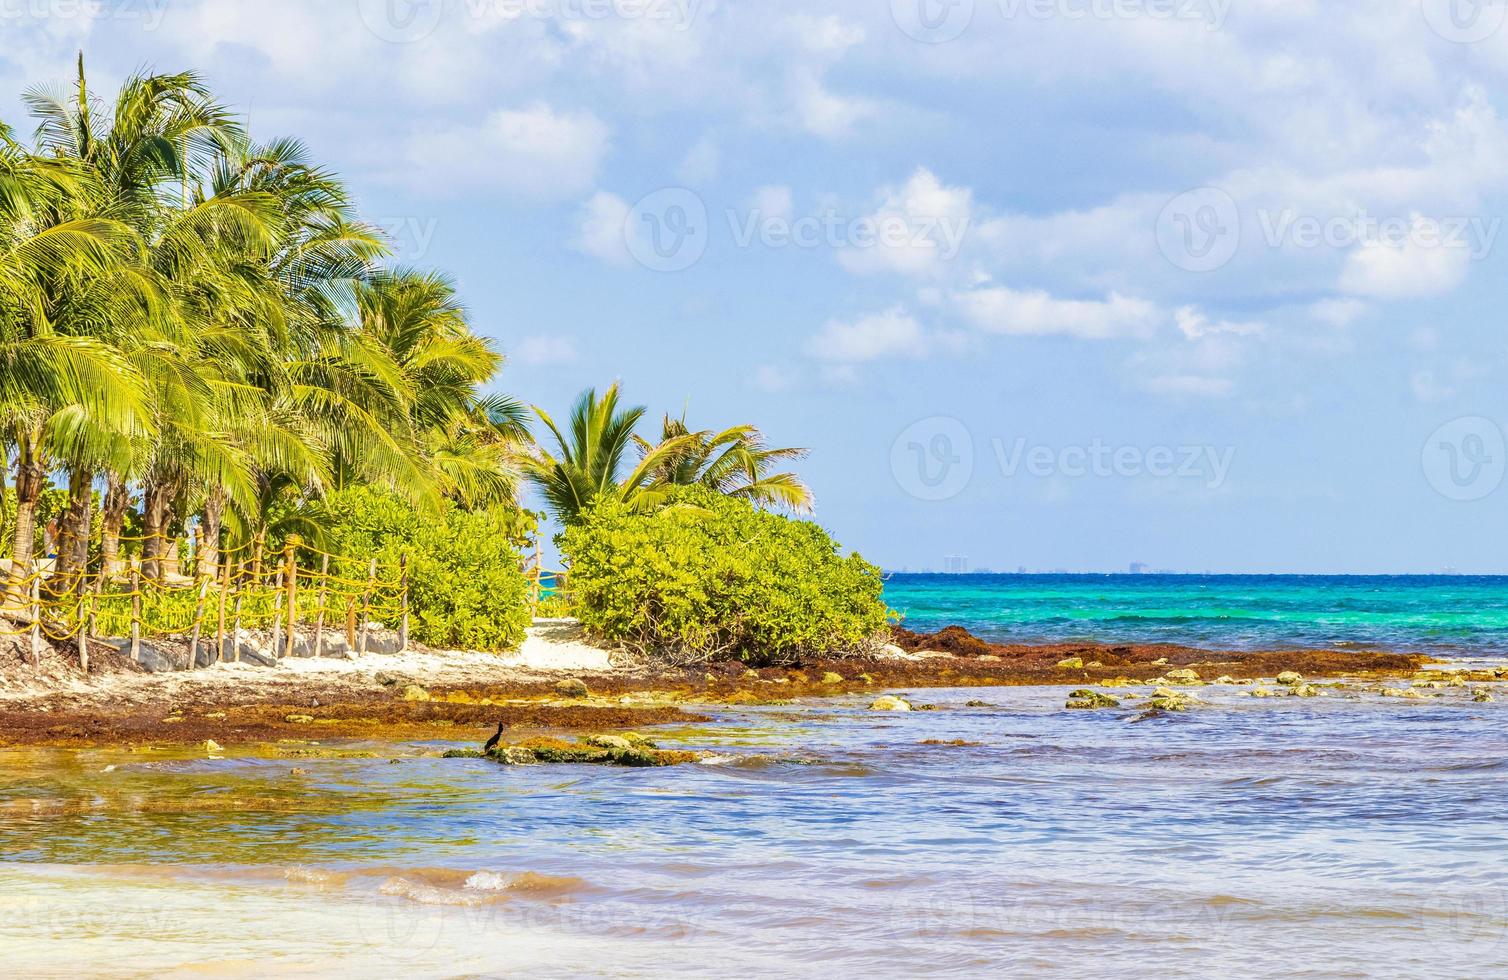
(492, 742)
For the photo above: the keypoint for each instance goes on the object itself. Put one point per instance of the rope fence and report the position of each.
(218, 609)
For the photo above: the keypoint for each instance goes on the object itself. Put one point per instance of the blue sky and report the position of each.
(1206, 284)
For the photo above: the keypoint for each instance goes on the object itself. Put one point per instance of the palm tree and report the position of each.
(57, 382)
(588, 463)
(736, 462)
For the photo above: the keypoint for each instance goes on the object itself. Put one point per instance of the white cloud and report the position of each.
(1202, 368)
(701, 163)
(772, 203)
(1194, 324)
(916, 230)
(599, 230)
(1406, 268)
(545, 351)
(537, 153)
(894, 333)
(1193, 385)
(1429, 389)
(998, 309)
(769, 377)
(1338, 313)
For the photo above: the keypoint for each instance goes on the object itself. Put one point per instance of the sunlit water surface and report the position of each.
(1312, 837)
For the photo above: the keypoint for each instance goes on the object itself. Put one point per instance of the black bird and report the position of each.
(492, 742)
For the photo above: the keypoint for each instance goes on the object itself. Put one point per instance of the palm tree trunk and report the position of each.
(31, 475)
(214, 516)
(114, 515)
(4, 498)
(73, 557)
(156, 511)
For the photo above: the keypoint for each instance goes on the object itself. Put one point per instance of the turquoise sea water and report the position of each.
(1442, 615)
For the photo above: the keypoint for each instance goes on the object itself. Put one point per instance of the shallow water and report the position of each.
(1339, 836)
(1441, 615)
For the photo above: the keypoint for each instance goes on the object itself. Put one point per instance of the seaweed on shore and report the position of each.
(631, 751)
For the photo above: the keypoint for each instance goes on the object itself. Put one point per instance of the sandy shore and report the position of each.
(462, 695)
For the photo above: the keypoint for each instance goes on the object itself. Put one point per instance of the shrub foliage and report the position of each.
(466, 589)
(711, 577)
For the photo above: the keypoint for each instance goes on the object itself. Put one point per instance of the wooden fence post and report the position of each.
(220, 626)
(36, 620)
(235, 628)
(193, 660)
(319, 615)
(136, 613)
(537, 587)
(403, 597)
(290, 568)
(277, 617)
(366, 608)
(83, 622)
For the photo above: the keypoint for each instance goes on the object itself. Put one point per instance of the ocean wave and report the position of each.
(527, 883)
(423, 894)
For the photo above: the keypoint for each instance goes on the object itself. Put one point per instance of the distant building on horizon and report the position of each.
(956, 565)
(1138, 568)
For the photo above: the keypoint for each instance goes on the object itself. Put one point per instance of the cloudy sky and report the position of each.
(1206, 284)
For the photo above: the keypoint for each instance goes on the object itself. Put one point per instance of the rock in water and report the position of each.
(1183, 675)
(889, 702)
(573, 687)
(1290, 678)
(1164, 699)
(1090, 700)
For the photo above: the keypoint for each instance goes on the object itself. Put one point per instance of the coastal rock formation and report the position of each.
(1090, 700)
(630, 750)
(572, 687)
(889, 702)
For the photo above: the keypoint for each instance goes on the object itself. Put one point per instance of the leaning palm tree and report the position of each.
(736, 462)
(589, 459)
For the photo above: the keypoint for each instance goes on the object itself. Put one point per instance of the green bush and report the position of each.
(710, 577)
(466, 587)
